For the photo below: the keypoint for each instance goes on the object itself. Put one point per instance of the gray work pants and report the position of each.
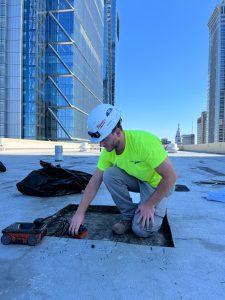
(119, 183)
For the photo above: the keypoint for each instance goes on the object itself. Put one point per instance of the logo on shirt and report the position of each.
(136, 161)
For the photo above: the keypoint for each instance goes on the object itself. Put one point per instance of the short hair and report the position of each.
(118, 125)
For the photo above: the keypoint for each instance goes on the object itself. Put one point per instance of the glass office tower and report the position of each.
(10, 68)
(216, 69)
(62, 66)
(111, 34)
(2, 66)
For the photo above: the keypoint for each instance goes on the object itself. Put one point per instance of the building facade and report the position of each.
(178, 140)
(11, 68)
(216, 75)
(111, 35)
(188, 139)
(63, 66)
(59, 46)
(201, 128)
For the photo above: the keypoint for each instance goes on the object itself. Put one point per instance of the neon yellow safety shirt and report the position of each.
(142, 154)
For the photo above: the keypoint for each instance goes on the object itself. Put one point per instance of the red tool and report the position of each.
(23, 233)
(82, 233)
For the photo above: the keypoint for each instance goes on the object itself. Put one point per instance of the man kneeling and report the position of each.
(131, 161)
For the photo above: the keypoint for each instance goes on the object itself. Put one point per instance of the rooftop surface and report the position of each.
(65, 268)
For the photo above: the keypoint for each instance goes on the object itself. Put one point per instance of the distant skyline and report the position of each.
(162, 64)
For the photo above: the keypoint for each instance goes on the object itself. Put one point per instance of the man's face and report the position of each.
(111, 142)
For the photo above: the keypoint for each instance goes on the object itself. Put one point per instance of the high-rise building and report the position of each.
(111, 34)
(216, 73)
(201, 128)
(178, 136)
(11, 68)
(188, 139)
(56, 67)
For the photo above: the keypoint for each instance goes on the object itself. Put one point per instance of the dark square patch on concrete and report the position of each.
(99, 220)
(181, 188)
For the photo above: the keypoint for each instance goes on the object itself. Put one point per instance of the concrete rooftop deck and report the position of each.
(63, 268)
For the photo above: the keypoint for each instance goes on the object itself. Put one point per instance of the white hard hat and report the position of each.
(101, 121)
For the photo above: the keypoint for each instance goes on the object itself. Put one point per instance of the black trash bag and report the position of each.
(2, 167)
(53, 181)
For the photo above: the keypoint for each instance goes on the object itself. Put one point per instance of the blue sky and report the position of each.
(162, 64)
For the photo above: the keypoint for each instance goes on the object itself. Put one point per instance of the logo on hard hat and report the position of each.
(108, 112)
(101, 124)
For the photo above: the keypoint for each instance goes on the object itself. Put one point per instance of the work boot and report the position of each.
(122, 226)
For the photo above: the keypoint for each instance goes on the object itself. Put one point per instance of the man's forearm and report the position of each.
(161, 191)
(88, 196)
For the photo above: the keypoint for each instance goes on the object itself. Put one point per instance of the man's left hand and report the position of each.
(146, 212)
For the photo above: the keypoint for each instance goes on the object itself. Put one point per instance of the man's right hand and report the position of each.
(75, 223)
(89, 194)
